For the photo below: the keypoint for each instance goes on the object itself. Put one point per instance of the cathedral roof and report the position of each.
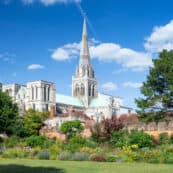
(68, 100)
(103, 101)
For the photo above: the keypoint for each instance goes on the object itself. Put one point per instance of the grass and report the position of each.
(54, 166)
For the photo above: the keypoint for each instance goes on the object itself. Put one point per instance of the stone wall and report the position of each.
(161, 126)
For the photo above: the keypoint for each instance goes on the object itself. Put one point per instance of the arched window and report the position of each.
(93, 90)
(48, 93)
(89, 90)
(36, 90)
(82, 90)
(44, 90)
(32, 93)
(77, 90)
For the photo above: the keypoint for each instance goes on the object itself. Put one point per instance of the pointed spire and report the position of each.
(84, 53)
(84, 28)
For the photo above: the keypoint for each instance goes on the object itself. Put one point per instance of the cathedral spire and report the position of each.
(84, 53)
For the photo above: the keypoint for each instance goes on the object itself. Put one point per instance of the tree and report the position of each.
(157, 90)
(102, 132)
(71, 128)
(9, 115)
(109, 125)
(31, 123)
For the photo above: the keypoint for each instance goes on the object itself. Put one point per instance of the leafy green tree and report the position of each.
(9, 115)
(71, 128)
(157, 90)
(31, 123)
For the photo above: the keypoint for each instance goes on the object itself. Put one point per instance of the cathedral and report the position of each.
(41, 95)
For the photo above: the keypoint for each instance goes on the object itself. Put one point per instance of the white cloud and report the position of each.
(50, 2)
(66, 52)
(107, 52)
(35, 67)
(161, 38)
(122, 70)
(132, 84)
(128, 58)
(109, 86)
(7, 57)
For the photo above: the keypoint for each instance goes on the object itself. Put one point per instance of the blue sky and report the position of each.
(40, 39)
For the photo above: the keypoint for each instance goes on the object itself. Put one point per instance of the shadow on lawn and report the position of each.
(27, 169)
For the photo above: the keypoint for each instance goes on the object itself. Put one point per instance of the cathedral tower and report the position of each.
(84, 82)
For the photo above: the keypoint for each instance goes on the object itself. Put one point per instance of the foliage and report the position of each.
(120, 138)
(31, 123)
(157, 90)
(34, 141)
(11, 141)
(9, 115)
(65, 156)
(87, 150)
(80, 156)
(102, 132)
(71, 128)
(79, 140)
(171, 139)
(163, 138)
(109, 126)
(43, 155)
(98, 158)
(140, 138)
(15, 153)
(96, 133)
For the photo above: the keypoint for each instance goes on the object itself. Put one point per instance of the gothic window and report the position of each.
(32, 92)
(48, 92)
(89, 90)
(47, 107)
(77, 90)
(36, 90)
(44, 90)
(82, 89)
(93, 90)
(83, 71)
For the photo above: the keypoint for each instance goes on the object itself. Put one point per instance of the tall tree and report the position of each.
(157, 90)
(31, 123)
(8, 114)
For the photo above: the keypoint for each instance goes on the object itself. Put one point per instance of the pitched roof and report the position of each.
(68, 100)
(102, 100)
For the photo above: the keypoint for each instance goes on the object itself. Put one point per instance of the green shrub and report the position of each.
(74, 144)
(34, 141)
(79, 140)
(43, 155)
(163, 138)
(65, 156)
(15, 153)
(11, 141)
(120, 138)
(112, 158)
(71, 128)
(2, 149)
(171, 139)
(140, 138)
(90, 144)
(80, 156)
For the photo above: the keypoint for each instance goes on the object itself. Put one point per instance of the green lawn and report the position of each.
(47, 166)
